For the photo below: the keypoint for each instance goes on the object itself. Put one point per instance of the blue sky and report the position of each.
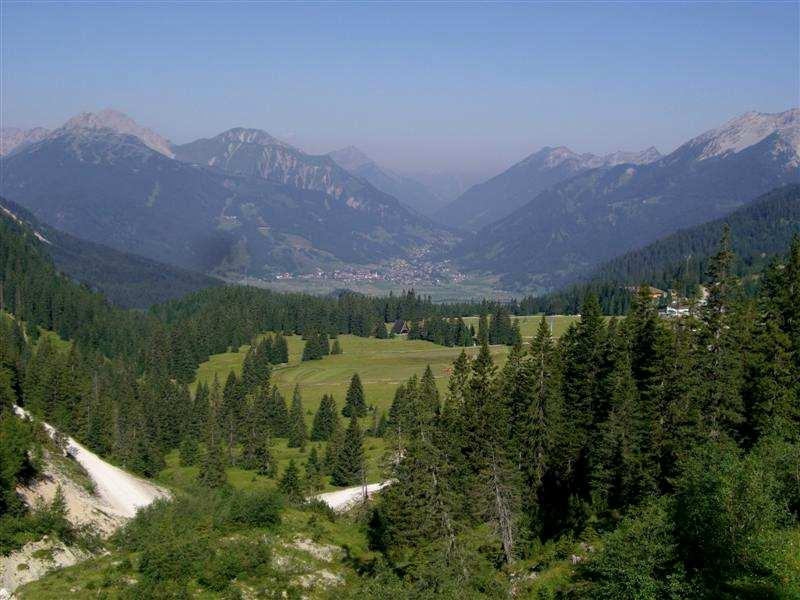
(467, 87)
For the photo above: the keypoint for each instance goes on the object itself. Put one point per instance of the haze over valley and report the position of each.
(244, 204)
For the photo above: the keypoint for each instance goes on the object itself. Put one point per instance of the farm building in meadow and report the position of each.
(400, 326)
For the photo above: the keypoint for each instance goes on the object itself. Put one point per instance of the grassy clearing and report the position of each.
(381, 364)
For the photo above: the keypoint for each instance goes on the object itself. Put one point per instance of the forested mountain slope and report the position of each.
(126, 280)
(759, 232)
(274, 209)
(605, 212)
(501, 195)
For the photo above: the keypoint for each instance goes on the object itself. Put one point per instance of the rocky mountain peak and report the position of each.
(247, 135)
(120, 123)
(620, 157)
(744, 131)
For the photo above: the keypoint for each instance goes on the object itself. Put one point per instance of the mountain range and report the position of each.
(241, 203)
(244, 203)
(603, 212)
(408, 190)
(498, 197)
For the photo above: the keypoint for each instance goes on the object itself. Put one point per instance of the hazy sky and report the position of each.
(419, 86)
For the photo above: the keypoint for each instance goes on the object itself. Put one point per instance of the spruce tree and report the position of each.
(336, 347)
(429, 392)
(255, 429)
(623, 466)
(201, 409)
(290, 484)
(324, 344)
(281, 349)
(313, 468)
(348, 466)
(325, 419)
(584, 348)
(397, 411)
(354, 403)
(265, 463)
(250, 369)
(298, 434)
(332, 448)
(212, 472)
(380, 331)
(311, 350)
(722, 343)
(232, 412)
(544, 419)
(483, 330)
(189, 451)
(277, 413)
(491, 461)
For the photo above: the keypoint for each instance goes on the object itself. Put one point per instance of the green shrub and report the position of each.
(233, 559)
(727, 508)
(638, 560)
(175, 559)
(254, 509)
(157, 590)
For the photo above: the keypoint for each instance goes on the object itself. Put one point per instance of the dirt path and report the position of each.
(342, 500)
(122, 492)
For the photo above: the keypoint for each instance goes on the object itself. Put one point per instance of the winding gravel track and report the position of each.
(342, 500)
(122, 492)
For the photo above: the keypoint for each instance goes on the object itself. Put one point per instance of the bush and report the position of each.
(318, 507)
(175, 559)
(255, 509)
(639, 559)
(231, 560)
(727, 508)
(157, 590)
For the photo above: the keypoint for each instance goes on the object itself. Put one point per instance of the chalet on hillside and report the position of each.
(400, 326)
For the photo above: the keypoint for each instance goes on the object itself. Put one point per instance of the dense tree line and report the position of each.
(496, 327)
(442, 331)
(679, 438)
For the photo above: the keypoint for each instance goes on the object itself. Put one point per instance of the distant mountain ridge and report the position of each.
(408, 190)
(604, 212)
(498, 197)
(126, 280)
(242, 203)
(14, 138)
(118, 122)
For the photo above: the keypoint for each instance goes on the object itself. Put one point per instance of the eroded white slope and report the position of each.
(122, 492)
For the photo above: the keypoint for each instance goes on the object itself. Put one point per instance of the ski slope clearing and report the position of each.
(122, 493)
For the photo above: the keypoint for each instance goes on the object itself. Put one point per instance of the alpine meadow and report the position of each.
(420, 301)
